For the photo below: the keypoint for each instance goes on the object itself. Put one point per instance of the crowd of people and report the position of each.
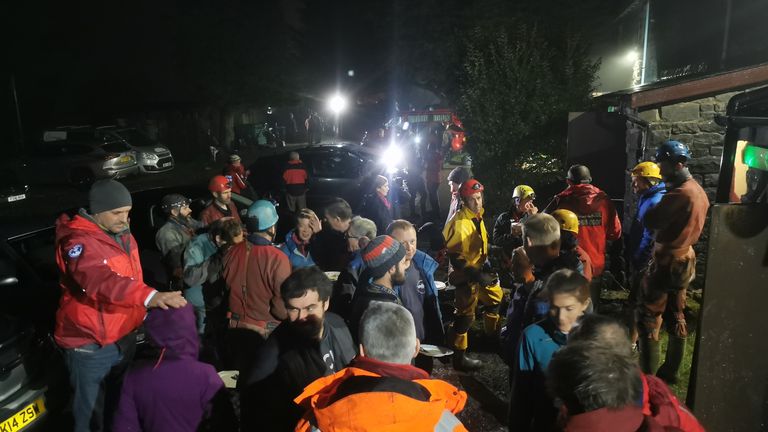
(325, 325)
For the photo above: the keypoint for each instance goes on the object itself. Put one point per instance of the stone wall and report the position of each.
(692, 123)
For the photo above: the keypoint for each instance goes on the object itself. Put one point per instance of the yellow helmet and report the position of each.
(647, 169)
(567, 219)
(522, 192)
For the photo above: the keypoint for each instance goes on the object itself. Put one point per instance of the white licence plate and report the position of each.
(167, 164)
(16, 197)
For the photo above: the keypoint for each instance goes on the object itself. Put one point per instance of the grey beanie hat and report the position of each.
(106, 195)
(381, 254)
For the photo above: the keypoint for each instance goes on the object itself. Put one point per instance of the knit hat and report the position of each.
(459, 175)
(106, 195)
(381, 254)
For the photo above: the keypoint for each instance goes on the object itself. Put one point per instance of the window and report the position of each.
(115, 147)
(337, 165)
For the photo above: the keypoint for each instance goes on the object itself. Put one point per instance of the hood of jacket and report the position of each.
(175, 331)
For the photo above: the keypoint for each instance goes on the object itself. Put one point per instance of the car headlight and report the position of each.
(149, 156)
(392, 158)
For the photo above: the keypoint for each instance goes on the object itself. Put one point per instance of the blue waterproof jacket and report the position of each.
(641, 239)
(433, 319)
(291, 250)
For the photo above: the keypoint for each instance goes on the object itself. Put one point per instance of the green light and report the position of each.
(756, 157)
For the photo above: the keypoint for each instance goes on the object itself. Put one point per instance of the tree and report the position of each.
(517, 88)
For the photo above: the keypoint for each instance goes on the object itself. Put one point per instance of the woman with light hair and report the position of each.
(360, 232)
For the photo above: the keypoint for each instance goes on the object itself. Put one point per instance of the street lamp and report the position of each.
(337, 104)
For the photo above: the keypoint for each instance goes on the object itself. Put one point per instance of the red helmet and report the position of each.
(469, 187)
(219, 184)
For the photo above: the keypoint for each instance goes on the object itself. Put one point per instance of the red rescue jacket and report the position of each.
(598, 220)
(237, 173)
(660, 403)
(103, 290)
(212, 213)
(295, 178)
(254, 270)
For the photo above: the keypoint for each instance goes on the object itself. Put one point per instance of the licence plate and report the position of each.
(125, 159)
(167, 164)
(15, 198)
(21, 419)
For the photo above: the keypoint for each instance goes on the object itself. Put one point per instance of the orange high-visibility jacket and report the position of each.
(356, 399)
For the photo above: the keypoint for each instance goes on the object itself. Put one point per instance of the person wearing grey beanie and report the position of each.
(104, 300)
(384, 260)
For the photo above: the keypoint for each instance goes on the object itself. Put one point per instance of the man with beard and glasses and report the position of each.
(174, 236)
(309, 344)
(384, 260)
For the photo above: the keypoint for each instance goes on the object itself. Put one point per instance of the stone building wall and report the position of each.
(692, 123)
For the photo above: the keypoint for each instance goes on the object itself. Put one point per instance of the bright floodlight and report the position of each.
(392, 157)
(632, 56)
(337, 104)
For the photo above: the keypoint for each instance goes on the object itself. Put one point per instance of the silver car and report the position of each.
(152, 156)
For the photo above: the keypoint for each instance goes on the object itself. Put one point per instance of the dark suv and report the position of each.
(340, 170)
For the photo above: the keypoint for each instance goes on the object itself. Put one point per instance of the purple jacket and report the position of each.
(173, 392)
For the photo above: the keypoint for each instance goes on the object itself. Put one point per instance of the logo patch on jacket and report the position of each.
(75, 251)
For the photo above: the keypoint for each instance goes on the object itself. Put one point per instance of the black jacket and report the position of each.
(329, 250)
(502, 233)
(374, 209)
(282, 368)
(363, 297)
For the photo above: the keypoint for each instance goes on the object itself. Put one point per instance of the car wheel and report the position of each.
(81, 177)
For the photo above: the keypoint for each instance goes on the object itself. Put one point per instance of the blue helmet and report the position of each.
(673, 150)
(261, 215)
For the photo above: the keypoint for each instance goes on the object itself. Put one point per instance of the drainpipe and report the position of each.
(645, 38)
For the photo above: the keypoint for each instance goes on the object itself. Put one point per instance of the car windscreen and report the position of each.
(115, 147)
(135, 138)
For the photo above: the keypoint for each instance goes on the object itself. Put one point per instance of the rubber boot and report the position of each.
(491, 324)
(463, 363)
(650, 351)
(675, 353)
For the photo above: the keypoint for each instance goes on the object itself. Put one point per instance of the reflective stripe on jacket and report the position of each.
(103, 289)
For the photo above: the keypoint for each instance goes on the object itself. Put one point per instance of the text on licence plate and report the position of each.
(27, 415)
(167, 164)
(16, 197)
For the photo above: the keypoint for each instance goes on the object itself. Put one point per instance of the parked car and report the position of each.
(152, 156)
(33, 379)
(335, 170)
(75, 157)
(12, 188)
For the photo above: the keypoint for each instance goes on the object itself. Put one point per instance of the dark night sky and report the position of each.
(85, 61)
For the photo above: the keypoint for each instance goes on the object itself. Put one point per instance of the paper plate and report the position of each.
(434, 350)
(333, 275)
(230, 378)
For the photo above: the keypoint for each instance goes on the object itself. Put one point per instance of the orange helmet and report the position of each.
(219, 183)
(469, 187)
